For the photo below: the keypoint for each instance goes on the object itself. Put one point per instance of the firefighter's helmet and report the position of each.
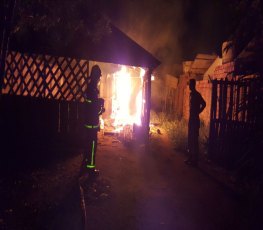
(95, 72)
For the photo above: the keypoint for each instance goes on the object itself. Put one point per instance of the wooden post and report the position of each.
(213, 112)
(147, 104)
(237, 101)
(244, 102)
(6, 18)
(231, 101)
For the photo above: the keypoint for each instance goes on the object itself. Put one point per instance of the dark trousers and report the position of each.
(193, 135)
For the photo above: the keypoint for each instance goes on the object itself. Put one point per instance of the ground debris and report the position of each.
(96, 190)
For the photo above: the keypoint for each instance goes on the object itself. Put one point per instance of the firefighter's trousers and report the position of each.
(90, 147)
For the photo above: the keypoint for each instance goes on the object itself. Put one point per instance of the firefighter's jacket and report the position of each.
(94, 107)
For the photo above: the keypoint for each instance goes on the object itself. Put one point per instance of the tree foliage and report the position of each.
(247, 23)
(247, 18)
(61, 19)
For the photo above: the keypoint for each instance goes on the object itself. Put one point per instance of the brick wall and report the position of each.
(224, 70)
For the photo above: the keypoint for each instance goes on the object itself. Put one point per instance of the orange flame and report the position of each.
(126, 102)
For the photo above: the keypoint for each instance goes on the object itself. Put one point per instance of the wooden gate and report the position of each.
(41, 99)
(232, 118)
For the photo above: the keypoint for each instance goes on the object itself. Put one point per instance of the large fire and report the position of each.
(127, 98)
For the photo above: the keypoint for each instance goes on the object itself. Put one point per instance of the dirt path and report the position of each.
(156, 190)
(136, 190)
(45, 198)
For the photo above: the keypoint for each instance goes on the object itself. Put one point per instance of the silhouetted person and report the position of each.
(197, 105)
(93, 109)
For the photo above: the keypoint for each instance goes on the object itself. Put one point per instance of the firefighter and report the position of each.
(94, 107)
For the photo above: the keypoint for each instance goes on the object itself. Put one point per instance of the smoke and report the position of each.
(155, 25)
(173, 30)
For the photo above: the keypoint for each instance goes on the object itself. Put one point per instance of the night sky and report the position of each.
(174, 30)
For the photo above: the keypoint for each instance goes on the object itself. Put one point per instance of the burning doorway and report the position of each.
(122, 88)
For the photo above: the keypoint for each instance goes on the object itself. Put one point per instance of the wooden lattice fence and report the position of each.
(232, 118)
(45, 76)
